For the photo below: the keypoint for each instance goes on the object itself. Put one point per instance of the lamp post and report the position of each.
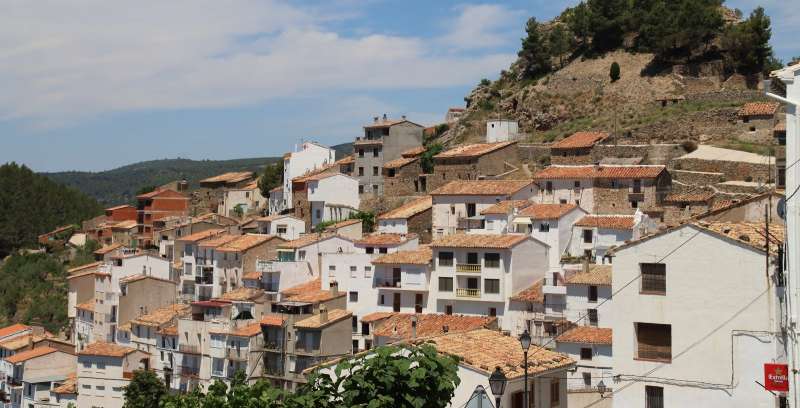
(601, 388)
(525, 342)
(497, 382)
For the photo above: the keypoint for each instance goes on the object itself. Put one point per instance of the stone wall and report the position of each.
(405, 182)
(421, 224)
(490, 164)
(759, 172)
(757, 129)
(616, 199)
(571, 156)
(301, 206)
(533, 153)
(651, 153)
(696, 177)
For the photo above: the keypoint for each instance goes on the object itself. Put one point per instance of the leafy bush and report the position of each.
(689, 146)
(613, 72)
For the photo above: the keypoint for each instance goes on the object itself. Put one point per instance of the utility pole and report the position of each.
(790, 77)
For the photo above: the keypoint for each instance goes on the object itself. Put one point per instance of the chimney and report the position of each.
(334, 288)
(414, 327)
(375, 119)
(384, 116)
(323, 314)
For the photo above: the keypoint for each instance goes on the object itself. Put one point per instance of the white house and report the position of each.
(590, 347)
(300, 260)
(498, 218)
(332, 197)
(31, 374)
(697, 312)
(400, 219)
(593, 235)
(457, 205)
(240, 201)
(501, 130)
(104, 370)
(551, 224)
(308, 157)
(477, 274)
(282, 225)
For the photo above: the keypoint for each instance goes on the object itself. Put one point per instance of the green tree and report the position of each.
(609, 20)
(146, 189)
(579, 21)
(747, 43)
(271, 177)
(32, 291)
(426, 159)
(613, 72)
(534, 55)
(144, 391)
(367, 220)
(560, 42)
(85, 254)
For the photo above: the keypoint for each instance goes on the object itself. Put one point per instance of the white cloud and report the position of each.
(481, 26)
(65, 60)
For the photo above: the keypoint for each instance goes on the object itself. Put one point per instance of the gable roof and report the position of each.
(245, 242)
(413, 152)
(758, 109)
(163, 315)
(689, 197)
(482, 187)
(69, 386)
(409, 209)
(472, 150)
(532, 294)
(197, 236)
(546, 211)
(315, 321)
(505, 207)
(231, 177)
(399, 325)
(26, 355)
(420, 256)
(400, 162)
(13, 329)
(159, 192)
(599, 275)
(217, 240)
(310, 292)
(103, 349)
(617, 222)
(580, 140)
(586, 335)
(306, 240)
(386, 239)
(600, 172)
(242, 294)
(504, 241)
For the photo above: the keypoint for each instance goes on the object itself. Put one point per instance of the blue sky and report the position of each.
(95, 84)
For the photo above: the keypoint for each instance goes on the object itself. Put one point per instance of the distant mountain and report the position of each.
(120, 185)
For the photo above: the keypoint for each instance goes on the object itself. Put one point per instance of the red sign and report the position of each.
(776, 377)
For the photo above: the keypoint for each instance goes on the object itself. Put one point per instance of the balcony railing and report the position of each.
(185, 348)
(469, 293)
(468, 268)
(265, 266)
(389, 284)
(237, 354)
(190, 371)
(204, 280)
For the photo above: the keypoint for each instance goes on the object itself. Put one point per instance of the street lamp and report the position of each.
(497, 382)
(601, 388)
(525, 342)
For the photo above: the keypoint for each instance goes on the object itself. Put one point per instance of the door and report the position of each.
(472, 283)
(396, 277)
(471, 210)
(418, 303)
(472, 258)
(396, 302)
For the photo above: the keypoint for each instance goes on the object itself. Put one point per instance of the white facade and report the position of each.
(333, 198)
(450, 210)
(591, 367)
(295, 266)
(722, 313)
(309, 156)
(601, 239)
(247, 198)
(393, 226)
(557, 233)
(102, 380)
(277, 202)
(501, 130)
(284, 226)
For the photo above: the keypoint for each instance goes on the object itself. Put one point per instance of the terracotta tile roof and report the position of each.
(255, 275)
(722, 204)
(119, 207)
(472, 150)
(752, 234)
(253, 329)
(276, 189)
(20, 341)
(13, 329)
(504, 241)
(505, 207)
(217, 240)
(320, 176)
(375, 316)
(161, 192)
(232, 177)
(124, 225)
(245, 242)
(103, 349)
(482, 187)
(305, 240)
(69, 386)
(384, 123)
(310, 292)
(137, 278)
(88, 306)
(386, 239)
(484, 349)
(580, 140)
(413, 152)
(198, 236)
(533, 294)
(171, 330)
(420, 256)
(599, 172)
(315, 321)
(398, 325)
(242, 294)
(599, 275)
(346, 160)
(408, 209)
(758, 109)
(93, 265)
(586, 335)
(690, 197)
(106, 249)
(546, 211)
(272, 320)
(26, 355)
(342, 224)
(399, 162)
(163, 315)
(618, 222)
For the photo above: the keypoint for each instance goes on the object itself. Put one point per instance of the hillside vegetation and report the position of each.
(33, 204)
(562, 80)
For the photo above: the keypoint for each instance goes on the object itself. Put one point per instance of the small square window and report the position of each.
(586, 353)
(353, 297)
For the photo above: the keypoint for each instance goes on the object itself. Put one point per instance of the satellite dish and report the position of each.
(782, 208)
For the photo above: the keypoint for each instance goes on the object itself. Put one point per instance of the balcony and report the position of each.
(265, 266)
(552, 286)
(468, 293)
(635, 196)
(204, 280)
(237, 354)
(389, 284)
(190, 371)
(468, 268)
(271, 287)
(185, 348)
(471, 223)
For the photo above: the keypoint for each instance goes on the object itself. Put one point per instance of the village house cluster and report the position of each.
(619, 268)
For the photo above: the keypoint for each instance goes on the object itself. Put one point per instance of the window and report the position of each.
(354, 322)
(544, 227)
(548, 187)
(587, 236)
(492, 311)
(586, 353)
(592, 317)
(634, 204)
(100, 387)
(374, 170)
(370, 250)
(301, 255)
(587, 379)
(491, 260)
(592, 294)
(445, 259)
(281, 229)
(653, 342)
(654, 278)
(491, 285)
(367, 271)
(375, 188)
(472, 258)
(375, 152)
(653, 397)
(383, 250)
(391, 173)
(445, 284)
(318, 213)
(355, 346)
(353, 271)
(353, 296)
(331, 270)
(577, 184)
(448, 309)
(555, 392)
(562, 201)
(361, 171)
(471, 210)
(360, 152)
(217, 341)
(360, 189)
